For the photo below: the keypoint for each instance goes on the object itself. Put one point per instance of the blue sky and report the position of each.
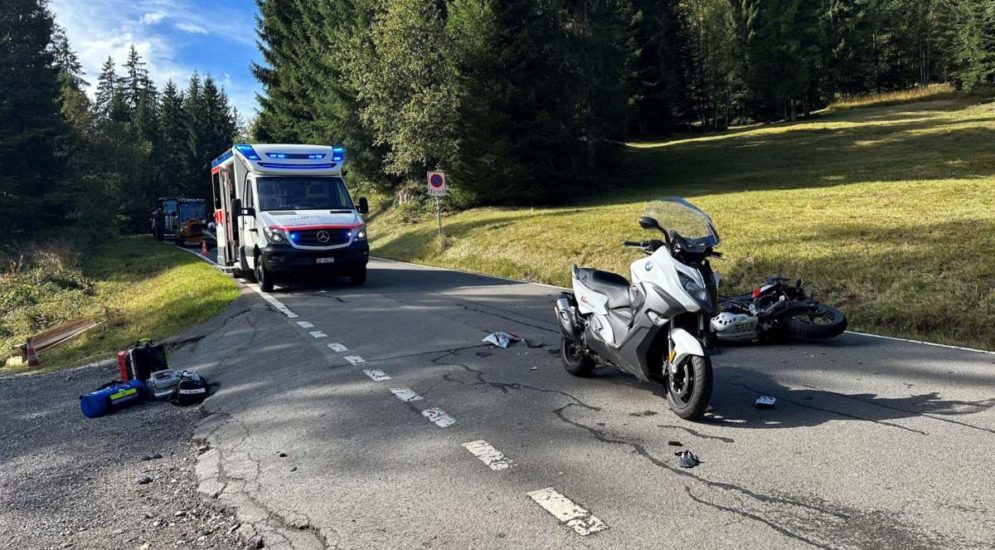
(174, 37)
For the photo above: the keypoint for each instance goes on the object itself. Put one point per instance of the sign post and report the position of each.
(437, 189)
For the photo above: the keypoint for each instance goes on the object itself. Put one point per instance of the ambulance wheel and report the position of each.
(263, 276)
(358, 277)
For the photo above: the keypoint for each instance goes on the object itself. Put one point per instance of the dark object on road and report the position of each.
(765, 402)
(155, 456)
(687, 459)
(673, 443)
(776, 311)
(144, 480)
(141, 360)
(190, 390)
(484, 354)
(111, 397)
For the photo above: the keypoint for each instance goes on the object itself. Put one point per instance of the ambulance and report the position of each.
(280, 210)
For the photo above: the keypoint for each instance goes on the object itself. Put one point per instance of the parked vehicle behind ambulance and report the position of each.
(285, 209)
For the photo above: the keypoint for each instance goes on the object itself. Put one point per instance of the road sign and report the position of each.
(436, 184)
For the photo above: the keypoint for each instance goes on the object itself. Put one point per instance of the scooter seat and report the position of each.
(615, 286)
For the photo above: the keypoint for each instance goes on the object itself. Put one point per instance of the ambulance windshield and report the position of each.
(303, 193)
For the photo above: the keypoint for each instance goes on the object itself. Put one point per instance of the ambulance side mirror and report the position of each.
(364, 206)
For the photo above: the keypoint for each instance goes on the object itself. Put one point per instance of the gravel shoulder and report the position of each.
(126, 480)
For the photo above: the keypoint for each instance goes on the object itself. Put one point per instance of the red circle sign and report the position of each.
(436, 181)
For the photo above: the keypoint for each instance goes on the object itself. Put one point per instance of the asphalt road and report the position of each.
(873, 443)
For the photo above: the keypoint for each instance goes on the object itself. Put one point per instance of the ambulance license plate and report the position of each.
(325, 260)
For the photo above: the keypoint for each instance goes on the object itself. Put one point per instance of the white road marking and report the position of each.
(405, 394)
(354, 359)
(274, 302)
(377, 375)
(488, 455)
(567, 512)
(439, 417)
(318, 334)
(305, 324)
(337, 348)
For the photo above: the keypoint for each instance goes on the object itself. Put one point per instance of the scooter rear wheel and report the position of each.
(690, 388)
(575, 359)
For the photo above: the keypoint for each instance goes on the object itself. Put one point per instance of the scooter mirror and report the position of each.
(647, 222)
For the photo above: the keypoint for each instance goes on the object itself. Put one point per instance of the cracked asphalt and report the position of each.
(873, 443)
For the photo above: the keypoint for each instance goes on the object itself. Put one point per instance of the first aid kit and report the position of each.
(141, 360)
(190, 390)
(162, 383)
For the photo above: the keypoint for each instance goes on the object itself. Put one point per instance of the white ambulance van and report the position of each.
(285, 209)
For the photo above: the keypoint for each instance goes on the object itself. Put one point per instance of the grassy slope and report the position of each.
(888, 212)
(148, 290)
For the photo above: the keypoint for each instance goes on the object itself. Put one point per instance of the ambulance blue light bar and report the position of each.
(338, 153)
(296, 156)
(221, 159)
(247, 151)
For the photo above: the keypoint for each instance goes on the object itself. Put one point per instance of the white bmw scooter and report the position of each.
(655, 328)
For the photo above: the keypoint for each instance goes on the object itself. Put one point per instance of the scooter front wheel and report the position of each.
(575, 358)
(690, 388)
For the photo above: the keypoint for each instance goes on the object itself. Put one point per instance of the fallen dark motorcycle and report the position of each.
(778, 310)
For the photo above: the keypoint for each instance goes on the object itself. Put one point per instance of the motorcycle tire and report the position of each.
(690, 403)
(575, 360)
(802, 326)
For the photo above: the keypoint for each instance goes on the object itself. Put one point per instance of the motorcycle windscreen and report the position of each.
(677, 215)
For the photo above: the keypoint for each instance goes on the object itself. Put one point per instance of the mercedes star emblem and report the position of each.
(323, 236)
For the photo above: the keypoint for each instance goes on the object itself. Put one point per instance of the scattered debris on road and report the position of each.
(687, 459)
(765, 402)
(502, 339)
(673, 443)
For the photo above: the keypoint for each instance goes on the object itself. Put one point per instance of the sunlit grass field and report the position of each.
(138, 288)
(887, 212)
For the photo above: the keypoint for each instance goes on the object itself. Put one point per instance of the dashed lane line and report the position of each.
(567, 512)
(405, 394)
(305, 324)
(438, 417)
(488, 455)
(337, 347)
(318, 334)
(354, 359)
(377, 375)
(274, 302)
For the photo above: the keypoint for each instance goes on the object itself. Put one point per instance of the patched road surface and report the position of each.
(375, 418)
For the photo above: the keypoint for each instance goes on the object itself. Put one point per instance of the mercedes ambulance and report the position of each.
(285, 209)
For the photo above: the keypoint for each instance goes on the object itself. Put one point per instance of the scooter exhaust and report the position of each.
(566, 314)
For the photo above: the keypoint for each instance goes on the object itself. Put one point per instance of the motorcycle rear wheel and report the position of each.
(690, 389)
(576, 361)
(827, 323)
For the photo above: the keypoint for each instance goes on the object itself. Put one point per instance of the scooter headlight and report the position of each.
(694, 289)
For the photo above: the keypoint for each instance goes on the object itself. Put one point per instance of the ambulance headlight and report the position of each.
(275, 236)
(359, 233)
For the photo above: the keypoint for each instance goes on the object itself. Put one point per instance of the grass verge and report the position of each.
(137, 287)
(887, 212)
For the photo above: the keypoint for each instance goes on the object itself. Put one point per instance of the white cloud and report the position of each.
(152, 18)
(191, 28)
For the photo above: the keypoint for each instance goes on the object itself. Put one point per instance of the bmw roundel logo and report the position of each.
(323, 236)
(648, 265)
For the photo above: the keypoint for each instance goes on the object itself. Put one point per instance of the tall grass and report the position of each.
(886, 212)
(134, 286)
(912, 95)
